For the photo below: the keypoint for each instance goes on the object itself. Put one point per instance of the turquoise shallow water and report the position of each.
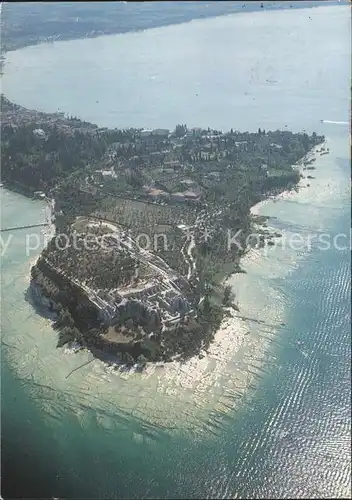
(290, 436)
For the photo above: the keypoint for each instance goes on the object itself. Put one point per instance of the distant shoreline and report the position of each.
(165, 20)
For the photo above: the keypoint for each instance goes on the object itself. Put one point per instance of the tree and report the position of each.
(64, 320)
(142, 360)
(180, 130)
(206, 305)
(129, 360)
(66, 335)
(227, 296)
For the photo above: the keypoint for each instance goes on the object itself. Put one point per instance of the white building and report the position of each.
(39, 132)
(161, 132)
(146, 133)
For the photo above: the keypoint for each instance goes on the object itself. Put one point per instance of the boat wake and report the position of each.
(332, 122)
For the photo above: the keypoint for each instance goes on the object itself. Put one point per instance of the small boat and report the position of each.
(39, 194)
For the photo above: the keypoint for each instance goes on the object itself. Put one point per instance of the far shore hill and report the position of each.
(159, 208)
(25, 24)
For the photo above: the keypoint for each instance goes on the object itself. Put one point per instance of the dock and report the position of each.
(15, 228)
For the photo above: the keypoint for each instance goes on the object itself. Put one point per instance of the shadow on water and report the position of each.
(27, 471)
(34, 460)
(37, 306)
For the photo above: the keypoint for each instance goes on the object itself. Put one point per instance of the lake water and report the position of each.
(274, 420)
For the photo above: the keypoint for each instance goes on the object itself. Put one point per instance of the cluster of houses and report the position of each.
(15, 116)
(165, 160)
(158, 153)
(155, 303)
(154, 297)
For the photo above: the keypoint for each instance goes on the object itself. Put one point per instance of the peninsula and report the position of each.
(146, 223)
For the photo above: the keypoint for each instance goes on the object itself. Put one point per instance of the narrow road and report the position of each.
(191, 261)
